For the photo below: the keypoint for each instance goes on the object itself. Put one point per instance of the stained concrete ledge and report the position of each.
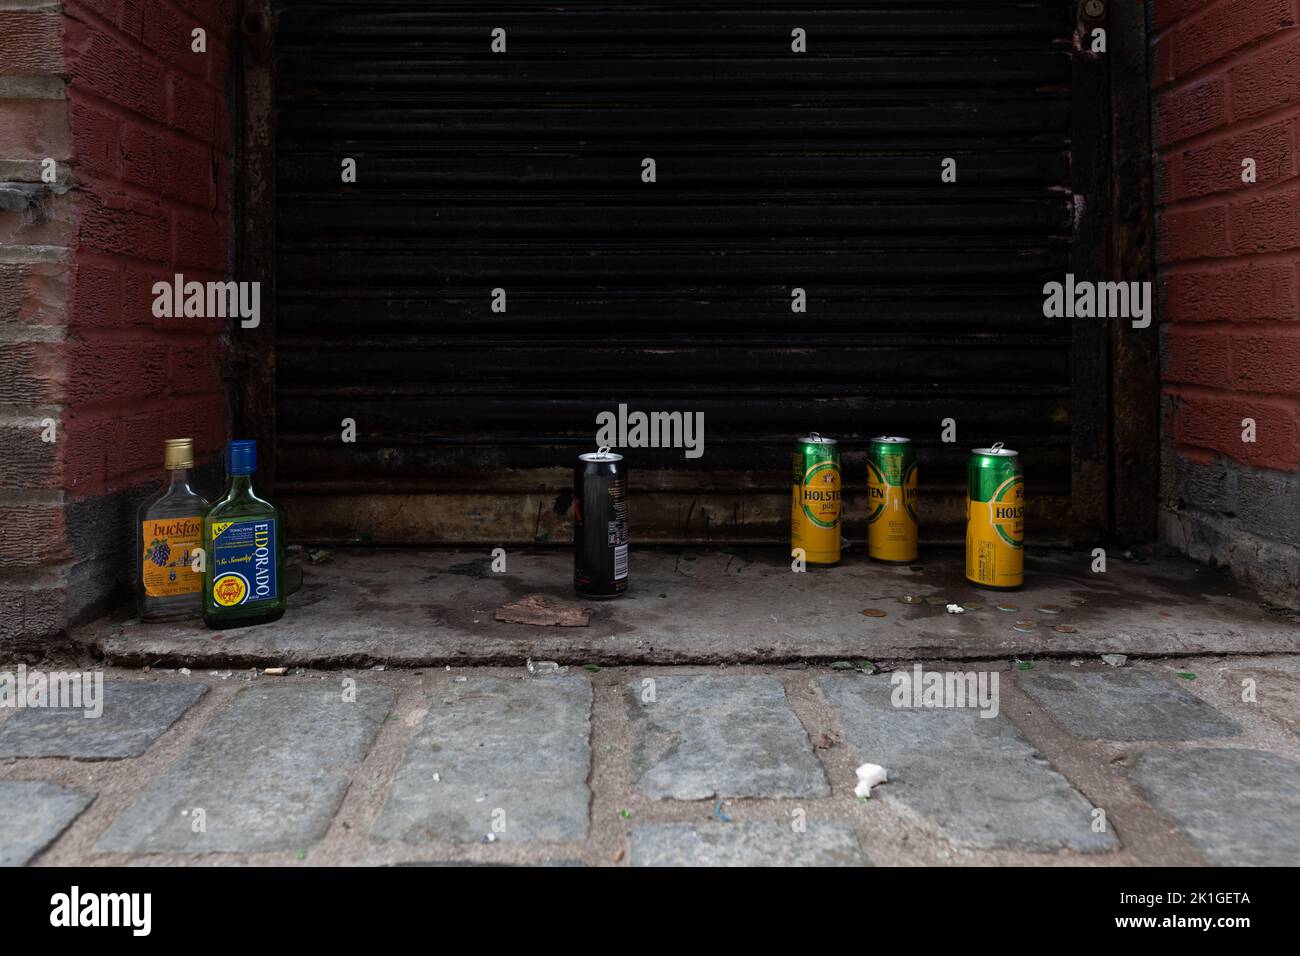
(426, 608)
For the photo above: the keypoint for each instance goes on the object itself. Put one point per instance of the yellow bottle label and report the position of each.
(169, 545)
(892, 532)
(995, 536)
(815, 514)
(229, 590)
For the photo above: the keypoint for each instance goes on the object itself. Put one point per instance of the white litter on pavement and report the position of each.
(538, 668)
(869, 775)
(956, 609)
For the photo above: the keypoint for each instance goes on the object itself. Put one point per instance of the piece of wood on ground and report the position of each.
(535, 609)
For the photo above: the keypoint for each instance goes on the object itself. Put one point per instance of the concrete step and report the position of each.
(431, 608)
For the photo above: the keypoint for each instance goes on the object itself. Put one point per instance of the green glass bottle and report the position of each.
(243, 536)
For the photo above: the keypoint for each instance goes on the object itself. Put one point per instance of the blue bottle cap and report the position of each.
(241, 457)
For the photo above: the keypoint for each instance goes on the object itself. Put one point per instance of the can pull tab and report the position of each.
(815, 436)
(603, 451)
(997, 446)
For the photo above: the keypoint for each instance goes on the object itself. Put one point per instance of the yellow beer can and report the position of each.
(995, 518)
(891, 496)
(815, 499)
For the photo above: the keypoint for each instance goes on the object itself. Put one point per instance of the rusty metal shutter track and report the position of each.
(775, 170)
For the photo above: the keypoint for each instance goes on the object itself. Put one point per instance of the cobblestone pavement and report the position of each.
(1071, 762)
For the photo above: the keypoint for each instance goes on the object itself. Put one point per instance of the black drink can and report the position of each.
(600, 525)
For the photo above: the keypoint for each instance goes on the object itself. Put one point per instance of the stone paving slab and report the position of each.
(1239, 807)
(33, 814)
(135, 714)
(702, 737)
(1277, 694)
(976, 778)
(560, 864)
(503, 757)
(704, 607)
(268, 772)
(1124, 705)
(744, 844)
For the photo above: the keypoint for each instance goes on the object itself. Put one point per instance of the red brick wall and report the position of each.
(37, 236)
(1226, 87)
(139, 127)
(1227, 80)
(151, 150)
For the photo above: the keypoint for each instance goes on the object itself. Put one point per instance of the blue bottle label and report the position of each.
(243, 562)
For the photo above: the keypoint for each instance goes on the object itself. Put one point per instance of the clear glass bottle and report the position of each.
(242, 534)
(168, 532)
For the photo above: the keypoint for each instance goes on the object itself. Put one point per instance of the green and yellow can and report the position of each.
(815, 499)
(995, 518)
(891, 496)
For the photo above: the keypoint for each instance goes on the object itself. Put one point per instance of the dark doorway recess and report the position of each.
(775, 170)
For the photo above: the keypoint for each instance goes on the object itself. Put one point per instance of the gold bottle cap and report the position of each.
(178, 453)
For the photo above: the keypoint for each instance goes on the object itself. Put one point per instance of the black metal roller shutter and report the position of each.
(775, 170)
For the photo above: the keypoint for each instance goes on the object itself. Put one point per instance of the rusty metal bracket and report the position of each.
(255, 23)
